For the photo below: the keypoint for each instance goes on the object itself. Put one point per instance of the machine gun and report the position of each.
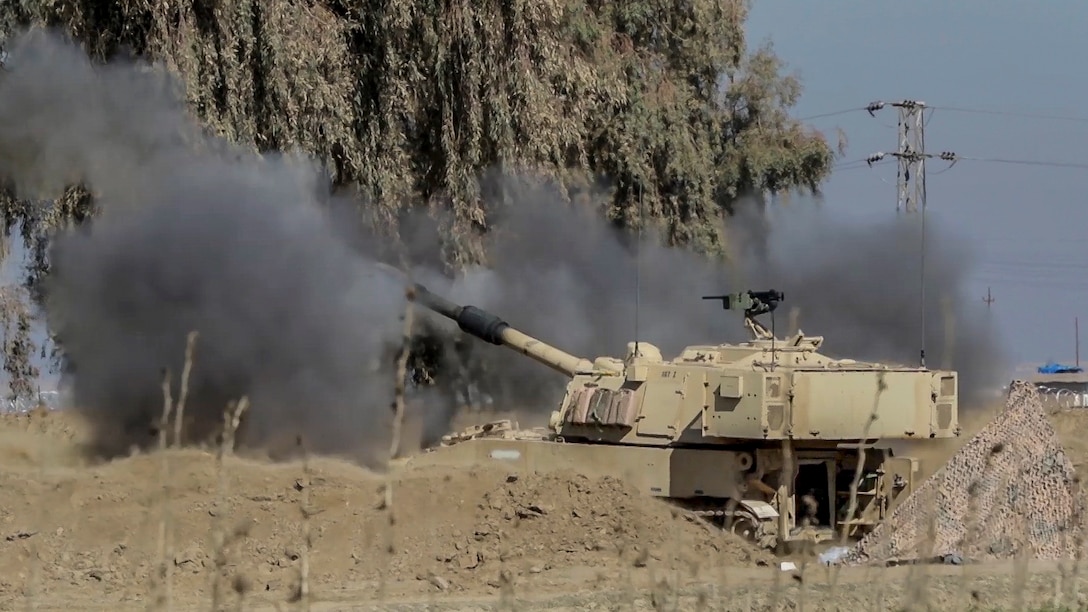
(753, 303)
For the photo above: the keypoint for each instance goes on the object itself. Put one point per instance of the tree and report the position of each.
(409, 102)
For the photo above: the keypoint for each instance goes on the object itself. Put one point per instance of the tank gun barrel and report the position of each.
(490, 328)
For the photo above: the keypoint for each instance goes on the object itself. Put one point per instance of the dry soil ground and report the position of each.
(75, 536)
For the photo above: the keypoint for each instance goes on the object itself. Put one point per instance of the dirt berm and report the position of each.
(1009, 491)
(68, 527)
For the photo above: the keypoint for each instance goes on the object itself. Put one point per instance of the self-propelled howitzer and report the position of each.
(737, 431)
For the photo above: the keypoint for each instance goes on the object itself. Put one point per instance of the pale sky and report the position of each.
(1028, 222)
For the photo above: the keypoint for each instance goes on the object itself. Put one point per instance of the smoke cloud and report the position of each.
(860, 286)
(562, 273)
(565, 275)
(196, 234)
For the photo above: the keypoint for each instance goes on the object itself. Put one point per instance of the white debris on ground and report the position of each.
(833, 555)
(1009, 490)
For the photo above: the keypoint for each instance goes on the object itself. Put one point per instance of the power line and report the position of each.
(870, 108)
(911, 154)
(1036, 265)
(880, 104)
(832, 113)
(951, 156)
(858, 163)
(1025, 162)
(1033, 282)
(980, 111)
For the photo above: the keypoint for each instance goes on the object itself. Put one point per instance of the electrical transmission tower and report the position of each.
(912, 155)
(911, 178)
(911, 183)
(989, 299)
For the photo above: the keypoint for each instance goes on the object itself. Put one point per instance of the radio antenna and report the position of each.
(922, 276)
(638, 264)
(774, 337)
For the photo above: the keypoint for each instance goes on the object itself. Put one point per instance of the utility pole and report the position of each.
(911, 182)
(911, 176)
(911, 153)
(989, 299)
(1076, 336)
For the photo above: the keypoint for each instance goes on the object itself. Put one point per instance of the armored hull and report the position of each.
(770, 437)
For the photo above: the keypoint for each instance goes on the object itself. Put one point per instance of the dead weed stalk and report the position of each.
(232, 417)
(400, 378)
(190, 348)
(164, 598)
(164, 592)
(302, 594)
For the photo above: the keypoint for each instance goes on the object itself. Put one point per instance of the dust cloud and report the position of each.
(196, 234)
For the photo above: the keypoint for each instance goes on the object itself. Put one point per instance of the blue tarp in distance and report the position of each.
(1057, 368)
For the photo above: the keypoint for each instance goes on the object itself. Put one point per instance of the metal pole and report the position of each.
(911, 178)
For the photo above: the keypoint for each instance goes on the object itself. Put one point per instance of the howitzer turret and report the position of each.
(728, 430)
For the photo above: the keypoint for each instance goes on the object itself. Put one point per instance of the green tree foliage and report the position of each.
(409, 102)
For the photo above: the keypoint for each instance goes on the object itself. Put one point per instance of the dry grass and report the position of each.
(301, 54)
(644, 584)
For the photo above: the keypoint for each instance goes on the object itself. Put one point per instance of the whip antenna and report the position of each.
(922, 279)
(638, 264)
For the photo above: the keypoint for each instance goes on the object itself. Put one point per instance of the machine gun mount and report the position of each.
(754, 304)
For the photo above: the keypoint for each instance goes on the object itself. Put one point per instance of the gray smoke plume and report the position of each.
(194, 234)
(562, 273)
(860, 286)
(565, 275)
